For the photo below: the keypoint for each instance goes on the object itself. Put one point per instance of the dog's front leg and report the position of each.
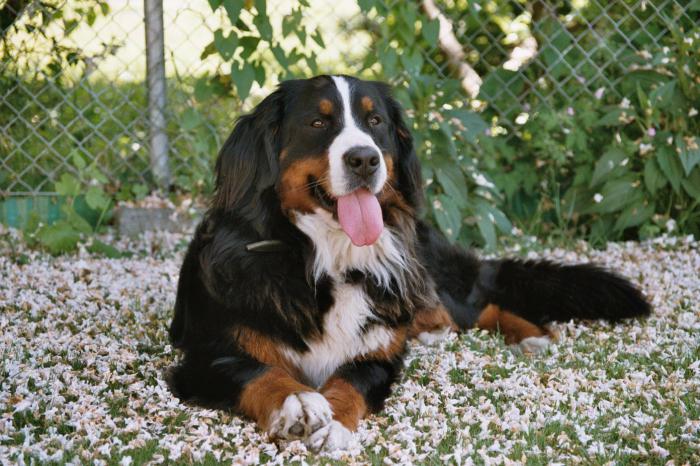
(356, 389)
(284, 407)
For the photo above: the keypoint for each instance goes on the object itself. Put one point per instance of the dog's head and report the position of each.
(331, 143)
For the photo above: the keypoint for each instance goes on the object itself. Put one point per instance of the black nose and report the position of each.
(362, 161)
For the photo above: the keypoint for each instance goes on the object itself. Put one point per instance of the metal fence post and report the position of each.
(155, 71)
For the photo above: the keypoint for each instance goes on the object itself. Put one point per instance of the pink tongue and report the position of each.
(360, 217)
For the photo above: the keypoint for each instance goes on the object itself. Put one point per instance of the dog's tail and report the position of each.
(542, 291)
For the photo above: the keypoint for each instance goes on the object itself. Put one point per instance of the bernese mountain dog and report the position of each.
(312, 268)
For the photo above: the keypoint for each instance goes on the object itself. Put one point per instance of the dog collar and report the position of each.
(268, 245)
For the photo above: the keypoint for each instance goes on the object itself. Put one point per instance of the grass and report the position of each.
(84, 346)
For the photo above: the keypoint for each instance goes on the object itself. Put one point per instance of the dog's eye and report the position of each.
(374, 120)
(318, 123)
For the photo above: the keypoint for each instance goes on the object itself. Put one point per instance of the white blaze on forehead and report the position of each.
(350, 136)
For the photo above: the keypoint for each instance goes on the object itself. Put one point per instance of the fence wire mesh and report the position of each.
(73, 73)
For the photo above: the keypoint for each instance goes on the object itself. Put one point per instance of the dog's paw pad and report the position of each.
(534, 345)
(300, 415)
(333, 436)
(433, 337)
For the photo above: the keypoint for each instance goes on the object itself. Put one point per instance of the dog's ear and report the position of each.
(410, 181)
(248, 161)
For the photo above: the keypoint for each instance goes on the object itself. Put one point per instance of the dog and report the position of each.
(312, 269)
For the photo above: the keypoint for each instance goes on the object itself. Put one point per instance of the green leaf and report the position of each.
(233, 9)
(78, 161)
(280, 56)
(58, 238)
(262, 21)
(366, 5)
(662, 96)
(318, 38)
(617, 194)
(202, 90)
(607, 164)
(612, 118)
(412, 61)
(653, 178)
(243, 78)
(670, 166)
(689, 152)
(474, 125)
(139, 190)
(96, 198)
(454, 185)
(226, 45)
(75, 220)
(496, 216)
(107, 250)
(259, 73)
(214, 4)
(190, 119)
(94, 173)
(487, 229)
(634, 215)
(68, 185)
(209, 49)
(249, 44)
(430, 31)
(447, 216)
(692, 184)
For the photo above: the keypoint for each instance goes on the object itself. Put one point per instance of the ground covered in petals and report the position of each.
(84, 345)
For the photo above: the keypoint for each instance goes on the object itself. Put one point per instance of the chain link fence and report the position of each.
(74, 80)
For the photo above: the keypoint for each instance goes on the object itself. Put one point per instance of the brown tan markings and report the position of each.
(396, 346)
(390, 174)
(325, 106)
(367, 103)
(428, 320)
(266, 394)
(265, 350)
(347, 403)
(514, 329)
(294, 189)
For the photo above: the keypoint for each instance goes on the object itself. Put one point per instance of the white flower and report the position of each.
(692, 112)
(645, 148)
(522, 119)
(625, 103)
(482, 181)
(670, 225)
(599, 93)
(598, 198)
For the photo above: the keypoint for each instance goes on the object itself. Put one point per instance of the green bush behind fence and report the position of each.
(567, 119)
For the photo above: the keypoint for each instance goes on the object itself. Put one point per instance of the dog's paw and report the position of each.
(433, 337)
(333, 436)
(534, 345)
(301, 414)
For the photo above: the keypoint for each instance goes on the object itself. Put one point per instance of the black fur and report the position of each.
(372, 379)
(539, 291)
(223, 286)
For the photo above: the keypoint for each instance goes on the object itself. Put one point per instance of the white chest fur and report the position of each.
(347, 327)
(344, 336)
(335, 253)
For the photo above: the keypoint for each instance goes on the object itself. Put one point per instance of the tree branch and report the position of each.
(456, 59)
